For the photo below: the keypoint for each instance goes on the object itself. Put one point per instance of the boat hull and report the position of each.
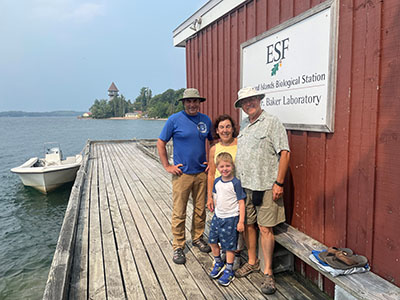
(46, 179)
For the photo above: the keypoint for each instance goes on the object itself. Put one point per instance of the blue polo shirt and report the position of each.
(189, 134)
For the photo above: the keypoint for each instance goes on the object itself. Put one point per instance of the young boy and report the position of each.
(228, 196)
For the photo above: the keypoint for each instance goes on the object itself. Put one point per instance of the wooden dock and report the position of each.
(116, 239)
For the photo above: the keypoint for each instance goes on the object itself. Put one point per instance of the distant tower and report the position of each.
(112, 91)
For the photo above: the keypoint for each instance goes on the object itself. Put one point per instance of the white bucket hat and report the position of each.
(191, 93)
(247, 92)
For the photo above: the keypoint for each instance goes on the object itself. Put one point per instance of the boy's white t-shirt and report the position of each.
(226, 196)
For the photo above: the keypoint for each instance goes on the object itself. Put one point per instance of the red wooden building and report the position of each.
(343, 187)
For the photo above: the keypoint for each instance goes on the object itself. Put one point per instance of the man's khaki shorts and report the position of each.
(268, 214)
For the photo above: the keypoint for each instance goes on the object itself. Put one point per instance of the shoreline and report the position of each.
(125, 118)
(131, 118)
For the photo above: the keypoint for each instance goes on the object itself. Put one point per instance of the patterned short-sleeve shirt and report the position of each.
(258, 151)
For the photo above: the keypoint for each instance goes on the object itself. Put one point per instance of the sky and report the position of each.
(64, 54)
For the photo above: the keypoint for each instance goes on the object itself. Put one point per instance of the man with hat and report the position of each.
(189, 130)
(262, 160)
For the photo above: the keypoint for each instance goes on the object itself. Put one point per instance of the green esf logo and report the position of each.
(276, 53)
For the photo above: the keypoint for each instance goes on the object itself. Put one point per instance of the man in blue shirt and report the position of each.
(189, 130)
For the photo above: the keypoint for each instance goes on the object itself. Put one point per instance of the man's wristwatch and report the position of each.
(278, 183)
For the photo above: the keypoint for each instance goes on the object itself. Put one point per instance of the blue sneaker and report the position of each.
(226, 278)
(217, 270)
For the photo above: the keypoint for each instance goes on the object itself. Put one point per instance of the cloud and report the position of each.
(68, 10)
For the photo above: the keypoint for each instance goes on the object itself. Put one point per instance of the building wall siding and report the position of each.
(342, 188)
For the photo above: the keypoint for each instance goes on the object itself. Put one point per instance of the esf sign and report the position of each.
(294, 64)
(276, 51)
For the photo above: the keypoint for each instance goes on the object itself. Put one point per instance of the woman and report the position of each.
(224, 130)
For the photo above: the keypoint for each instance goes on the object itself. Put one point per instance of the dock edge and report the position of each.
(58, 279)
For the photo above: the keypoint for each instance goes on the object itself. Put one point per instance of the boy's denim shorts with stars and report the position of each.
(223, 231)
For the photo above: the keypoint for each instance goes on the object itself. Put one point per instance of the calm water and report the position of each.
(30, 221)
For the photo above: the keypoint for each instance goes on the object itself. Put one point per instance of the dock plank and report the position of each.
(79, 280)
(96, 285)
(114, 284)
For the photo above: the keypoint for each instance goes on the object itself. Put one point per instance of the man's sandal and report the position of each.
(247, 268)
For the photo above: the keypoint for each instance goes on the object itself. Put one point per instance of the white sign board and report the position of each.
(294, 64)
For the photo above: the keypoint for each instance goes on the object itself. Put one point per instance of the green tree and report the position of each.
(119, 106)
(98, 108)
(101, 109)
(116, 107)
(165, 104)
(160, 106)
(143, 99)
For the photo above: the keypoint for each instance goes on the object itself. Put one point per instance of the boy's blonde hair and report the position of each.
(224, 156)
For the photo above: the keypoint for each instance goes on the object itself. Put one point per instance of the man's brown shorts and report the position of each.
(268, 214)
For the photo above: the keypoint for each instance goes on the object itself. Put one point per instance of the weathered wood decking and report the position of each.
(115, 241)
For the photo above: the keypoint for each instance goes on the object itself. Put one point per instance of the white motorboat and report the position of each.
(48, 173)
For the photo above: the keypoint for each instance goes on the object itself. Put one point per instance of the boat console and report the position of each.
(53, 156)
